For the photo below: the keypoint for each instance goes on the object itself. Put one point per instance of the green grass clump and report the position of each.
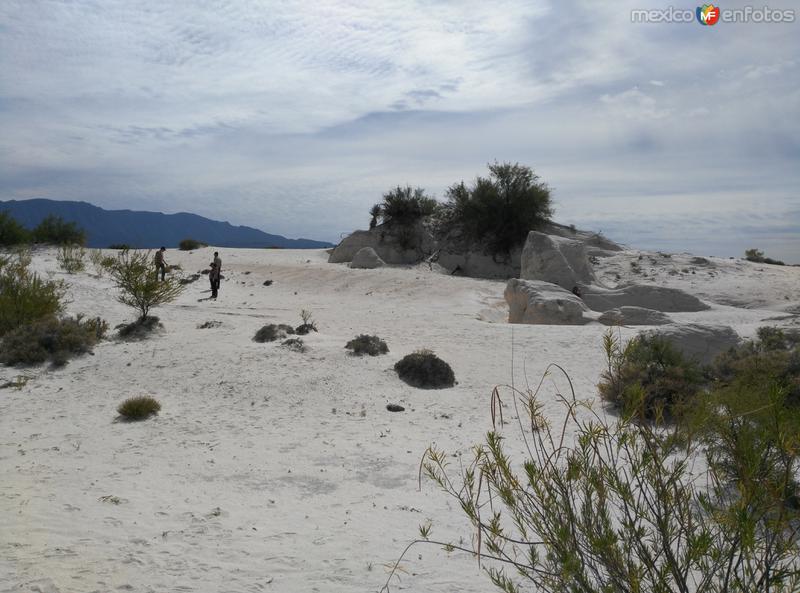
(138, 408)
(272, 332)
(364, 344)
(54, 339)
(425, 370)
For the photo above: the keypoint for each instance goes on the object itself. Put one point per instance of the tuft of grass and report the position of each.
(364, 344)
(54, 339)
(425, 370)
(138, 408)
(272, 332)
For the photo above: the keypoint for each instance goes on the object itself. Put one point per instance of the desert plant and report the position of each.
(139, 287)
(755, 255)
(140, 329)
(403, 206)
(54, 230)
(11, 231)
(308, 324)
(101, 263)
(272, 332)
(500, 209)
(295, 344)
(54, 339)
(190, 245)
(24, 296)
(364, 344)
(138, 408)
(603, 506)
(425, 370)
(70, 258)
(647, 378)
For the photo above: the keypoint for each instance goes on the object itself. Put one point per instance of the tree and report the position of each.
(54, 230)
(500, 209)
(403, 206)
(11, 231)
(139, 286)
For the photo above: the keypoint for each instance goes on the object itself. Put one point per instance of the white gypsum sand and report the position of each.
(269, 469)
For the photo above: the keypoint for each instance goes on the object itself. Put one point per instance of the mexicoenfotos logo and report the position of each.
(708, 14)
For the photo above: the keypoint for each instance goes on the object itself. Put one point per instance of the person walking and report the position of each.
(161, 265)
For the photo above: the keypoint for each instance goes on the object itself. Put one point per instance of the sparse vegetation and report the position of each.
(139, 287)
(402, 206)
(11, 231)
(308, 324)
(24, 296)
(754, 255)
(190, 245)
(54, 230)
(272, 332)
(54, 339)
(140, 329)
(70, 258)
(295, 344)
(120, 246)
(364, 344)
(425, 370)
(138, 408)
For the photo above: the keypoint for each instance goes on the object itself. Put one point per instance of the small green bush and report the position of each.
(70, 258)
(140, 329)
(272, 332)
(425, 370)
(647, 378)
(54, 230)
(51, 339)
(24, 296)
(139, 286)
(364, 344)
(139, 408)
(190, 245)
(11, 231)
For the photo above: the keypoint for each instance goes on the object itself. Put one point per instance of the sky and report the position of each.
(295, 117)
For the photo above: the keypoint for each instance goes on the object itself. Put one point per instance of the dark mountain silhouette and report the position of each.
(148, 229)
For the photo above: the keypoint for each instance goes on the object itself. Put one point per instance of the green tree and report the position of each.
(54, 230)
(403, 206)
(138, 284)
(11, 231)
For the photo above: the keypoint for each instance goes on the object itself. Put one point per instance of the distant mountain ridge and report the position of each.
(148, 229)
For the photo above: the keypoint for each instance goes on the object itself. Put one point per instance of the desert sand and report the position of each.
(272, 470)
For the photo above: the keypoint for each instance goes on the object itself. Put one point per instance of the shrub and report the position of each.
(425, 370)
(134, 274)
(51, 339)
(190, 245)
(70, 258)
(616, 506)
(272, 332)
(140, 329)
(295, 344)
(138, 408)
(12, 232)
(757, 256)
(403, 206)
(24, 296)
(54, 230)
(500, 210)
(308, 324)
(365, 344)
(647, 378)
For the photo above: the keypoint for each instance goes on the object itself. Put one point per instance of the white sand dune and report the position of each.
(271, 470)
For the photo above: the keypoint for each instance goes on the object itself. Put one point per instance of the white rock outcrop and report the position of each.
(366, 258)
(633, 316)
(394, 245)
(658, 298)
(699, 342)
(533, 301)
(554, 259)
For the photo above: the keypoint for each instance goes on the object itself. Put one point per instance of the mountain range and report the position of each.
(148, 229)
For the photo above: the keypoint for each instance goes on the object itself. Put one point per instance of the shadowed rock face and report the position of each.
(533, 301)
(659, 298)
(699, 342)
(633, 316)
(392, 244)
(366, 258)
(555, 259)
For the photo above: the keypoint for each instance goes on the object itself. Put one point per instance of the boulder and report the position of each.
(633, 316)
(554, 259)
(659, 298)
(394, 244)
(366, 258)
(699, 342)
(534, 301)
(476, 262)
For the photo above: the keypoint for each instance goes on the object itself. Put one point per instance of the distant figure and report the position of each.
(218, 262)
(576, 290)
(161, 265)
(213, 278)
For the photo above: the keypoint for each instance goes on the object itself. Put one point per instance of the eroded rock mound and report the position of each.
(633, 316)
(366, 258)
(554, 259)
(534, 301)
(700, 342)
(659, 298)
(393, 244)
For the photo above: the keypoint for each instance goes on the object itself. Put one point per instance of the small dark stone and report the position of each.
(395, 408)
(267, 282)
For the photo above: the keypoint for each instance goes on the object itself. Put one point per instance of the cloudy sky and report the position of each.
(294, 116)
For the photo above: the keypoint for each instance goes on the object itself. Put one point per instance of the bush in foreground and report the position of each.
(190, 245)
(24, 296)
(53, 339)
(364, 344)
(272, 332)
(425, 370)
(139, 287)
(139, 408)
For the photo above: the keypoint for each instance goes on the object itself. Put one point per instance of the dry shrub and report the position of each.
(364, 344)
(272, 332)
(425, 370)
(138, 408)
(53, 339)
